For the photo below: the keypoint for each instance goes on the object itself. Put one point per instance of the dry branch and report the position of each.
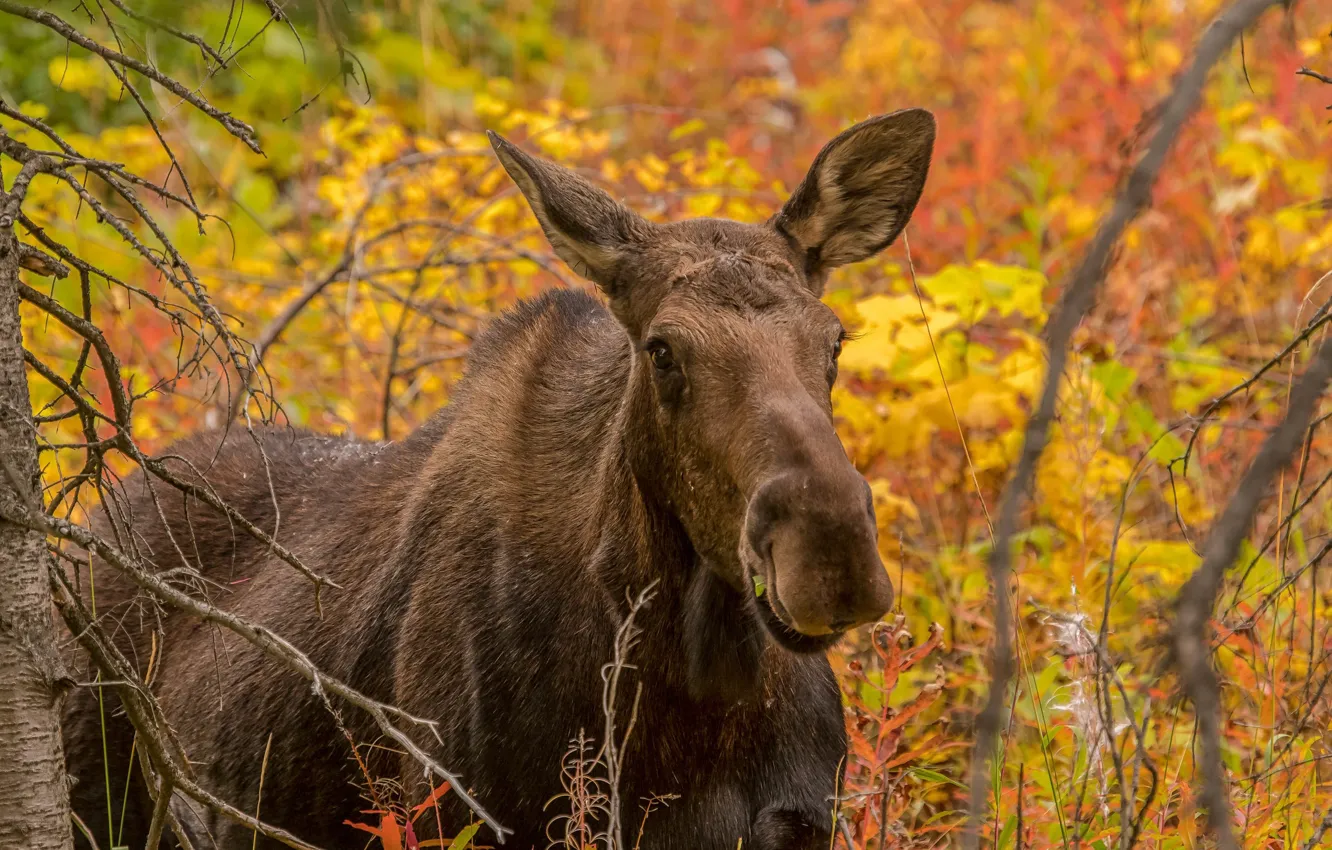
(122, 405)
(347, 267)
(166, 768)
(268, 641)
(1076, 301)
(1325, 825)
(236, 127)
(188, 37)
(1319, 319)
(168, 260)
(1198, 596)
(612, 750)
(108, 171)
(166, 756)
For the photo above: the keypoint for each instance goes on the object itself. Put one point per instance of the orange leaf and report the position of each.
(923, 700)
(915, 654)
(373, 830)
(390, 834)
(931, 746)
(861, 747)
(431, 801)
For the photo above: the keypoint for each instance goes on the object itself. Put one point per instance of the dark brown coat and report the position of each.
(682, 437)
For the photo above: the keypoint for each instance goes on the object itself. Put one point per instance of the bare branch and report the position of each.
(236, 127)
(108, 171)
(1076, 301)
(272, 644)
(168, 261)
(1320, 318)
(1198, 596)
(121, 403)
(612, 750)
(160, 803)
(1326, 824)
(164, 755)
(39, 262)
(1309, 72)
(204, 47)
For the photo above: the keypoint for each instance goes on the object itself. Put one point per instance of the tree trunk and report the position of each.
(34, 796)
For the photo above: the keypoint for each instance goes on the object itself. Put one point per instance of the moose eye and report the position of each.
(836, 353)
(837, 344)
(660, 353)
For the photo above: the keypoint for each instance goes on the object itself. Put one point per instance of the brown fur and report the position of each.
(682, 437)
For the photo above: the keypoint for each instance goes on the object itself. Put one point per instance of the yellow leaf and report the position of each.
(889, 507)
(703, 204)
(689, 127)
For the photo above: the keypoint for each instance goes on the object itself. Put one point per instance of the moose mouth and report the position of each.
(777, 621)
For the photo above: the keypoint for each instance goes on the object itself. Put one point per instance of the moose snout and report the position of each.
(813, 536)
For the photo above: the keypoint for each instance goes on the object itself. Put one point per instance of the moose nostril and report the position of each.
(760, 518)
(760, 543)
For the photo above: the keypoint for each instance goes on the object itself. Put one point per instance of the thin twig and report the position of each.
(204, 47)
(1326, 824)
(164, 792)
(168, 761)
(612, 747)
(1309, 72)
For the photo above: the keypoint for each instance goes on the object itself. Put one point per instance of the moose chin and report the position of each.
(674, 431)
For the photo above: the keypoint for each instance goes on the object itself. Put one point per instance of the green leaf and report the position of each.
(935, 776)
(464, 838)
(759, 586)
(1006, 834)
(1114, 378)
(1143, 425)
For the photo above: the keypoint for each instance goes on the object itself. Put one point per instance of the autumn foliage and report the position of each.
(381, 215)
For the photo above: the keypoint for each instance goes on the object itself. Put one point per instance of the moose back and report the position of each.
(676, 434)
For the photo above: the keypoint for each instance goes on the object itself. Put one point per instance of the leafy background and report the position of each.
(377, 201)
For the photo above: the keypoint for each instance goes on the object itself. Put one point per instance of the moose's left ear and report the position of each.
(860, 191)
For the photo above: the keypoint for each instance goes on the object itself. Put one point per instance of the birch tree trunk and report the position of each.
(34, 796)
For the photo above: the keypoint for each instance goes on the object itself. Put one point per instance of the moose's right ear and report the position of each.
(587, 228)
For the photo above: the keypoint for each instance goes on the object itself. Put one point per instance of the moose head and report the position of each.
(734, 359)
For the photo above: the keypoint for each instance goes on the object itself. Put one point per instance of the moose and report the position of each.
(675, 433)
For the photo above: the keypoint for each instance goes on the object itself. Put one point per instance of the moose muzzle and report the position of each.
(811, 535)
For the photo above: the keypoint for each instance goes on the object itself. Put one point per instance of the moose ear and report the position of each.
(585, 226)
(860, 191)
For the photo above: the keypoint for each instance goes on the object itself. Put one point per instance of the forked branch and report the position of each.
(1077, 299)
(163, 754)
(106, 422)
(1198, 596)
(271, 643)
(233, 125)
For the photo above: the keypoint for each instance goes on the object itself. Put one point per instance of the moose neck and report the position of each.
(707, 627)
(641, 539)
